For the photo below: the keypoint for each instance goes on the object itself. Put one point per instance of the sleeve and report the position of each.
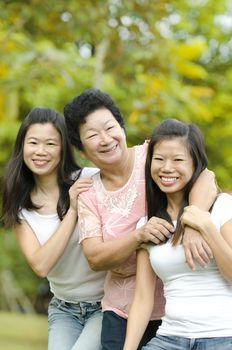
(141, 222)
(88, 216)
(88, 172)
(21, 215)
(224, 207)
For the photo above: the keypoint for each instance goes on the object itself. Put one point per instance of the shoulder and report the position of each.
(141, 154)
(88, 172)
(223, 199)
(222, 208)
(141, 222)
(141, 148)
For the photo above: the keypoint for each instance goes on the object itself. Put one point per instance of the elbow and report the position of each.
(95, 264)
(95, 260)
(40, 271)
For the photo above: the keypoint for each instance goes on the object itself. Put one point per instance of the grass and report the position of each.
(23, 332)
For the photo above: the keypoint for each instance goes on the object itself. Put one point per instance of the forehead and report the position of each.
(99, 117)
(173, 145)
(39, 130)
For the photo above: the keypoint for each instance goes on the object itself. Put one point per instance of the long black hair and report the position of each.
(19, 180)
(156, 199)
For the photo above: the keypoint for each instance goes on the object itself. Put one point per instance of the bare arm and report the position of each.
(203, 195)
(204, 191)
(42, 258)
(219, 242)
(143, 301)
(107, 255)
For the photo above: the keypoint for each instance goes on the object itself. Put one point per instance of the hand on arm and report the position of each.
(204, 191)
(156, 230)
(143, 302)
(219, 242)
(195, 248)
(203, 195)
(107, 255)
(42, 258)
(79, 186)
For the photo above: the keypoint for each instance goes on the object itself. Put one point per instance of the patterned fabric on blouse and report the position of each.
(111, 215)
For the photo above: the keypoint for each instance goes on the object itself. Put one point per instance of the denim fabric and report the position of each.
(74, 326)
(114, 331)
(179, 343)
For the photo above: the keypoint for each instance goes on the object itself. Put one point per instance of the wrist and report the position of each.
(139, 237)
(72, 211)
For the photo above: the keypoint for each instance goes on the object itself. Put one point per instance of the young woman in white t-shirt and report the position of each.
(40, 203)
(198, 310)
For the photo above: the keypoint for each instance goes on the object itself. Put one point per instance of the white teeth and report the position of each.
(110, 150)
(168, 179)
(40, 162)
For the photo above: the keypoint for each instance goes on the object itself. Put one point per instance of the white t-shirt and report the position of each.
(198, 303)
(71, 279)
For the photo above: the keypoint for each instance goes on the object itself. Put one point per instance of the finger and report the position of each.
(81, 185)
(202, 256)
(162, 229)
(199, 256)
(154, 240)
(189, 259)
(158, 235)
(207, 250)
(153, 235)
(164, 223)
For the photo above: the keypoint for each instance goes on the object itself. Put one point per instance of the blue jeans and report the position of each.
(114, 331)
(179, 343)
(74, 326)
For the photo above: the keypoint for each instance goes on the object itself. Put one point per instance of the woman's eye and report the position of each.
(91, 136)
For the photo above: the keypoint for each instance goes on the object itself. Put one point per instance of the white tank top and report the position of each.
(198, 303)
(71, 279)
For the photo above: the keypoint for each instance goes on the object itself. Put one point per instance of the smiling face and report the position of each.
(172, 165)
(42, 149)
(103, 139)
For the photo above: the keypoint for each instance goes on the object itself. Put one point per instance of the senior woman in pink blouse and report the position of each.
(110, 209)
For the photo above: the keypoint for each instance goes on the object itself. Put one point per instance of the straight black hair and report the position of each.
(19, 180)
(192, 136)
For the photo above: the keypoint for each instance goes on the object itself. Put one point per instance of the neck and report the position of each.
(46, 183)
(114, 179)
(46, 194)
(174, 203)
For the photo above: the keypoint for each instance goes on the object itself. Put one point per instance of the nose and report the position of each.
(167, 166)
(40, 149)
(105, 138)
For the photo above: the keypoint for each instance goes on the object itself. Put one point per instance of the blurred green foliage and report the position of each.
(157, 59)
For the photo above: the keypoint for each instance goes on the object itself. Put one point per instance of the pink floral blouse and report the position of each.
(113, 214)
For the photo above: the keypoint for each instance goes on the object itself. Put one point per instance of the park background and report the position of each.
(157, 59)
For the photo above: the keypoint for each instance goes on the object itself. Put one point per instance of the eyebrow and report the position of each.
(36, 138)
(95, 129)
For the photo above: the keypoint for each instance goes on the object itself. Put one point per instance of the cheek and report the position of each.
(89, 148)
(25, 153)
(58, 156)
(190, 172)
(154, 173)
